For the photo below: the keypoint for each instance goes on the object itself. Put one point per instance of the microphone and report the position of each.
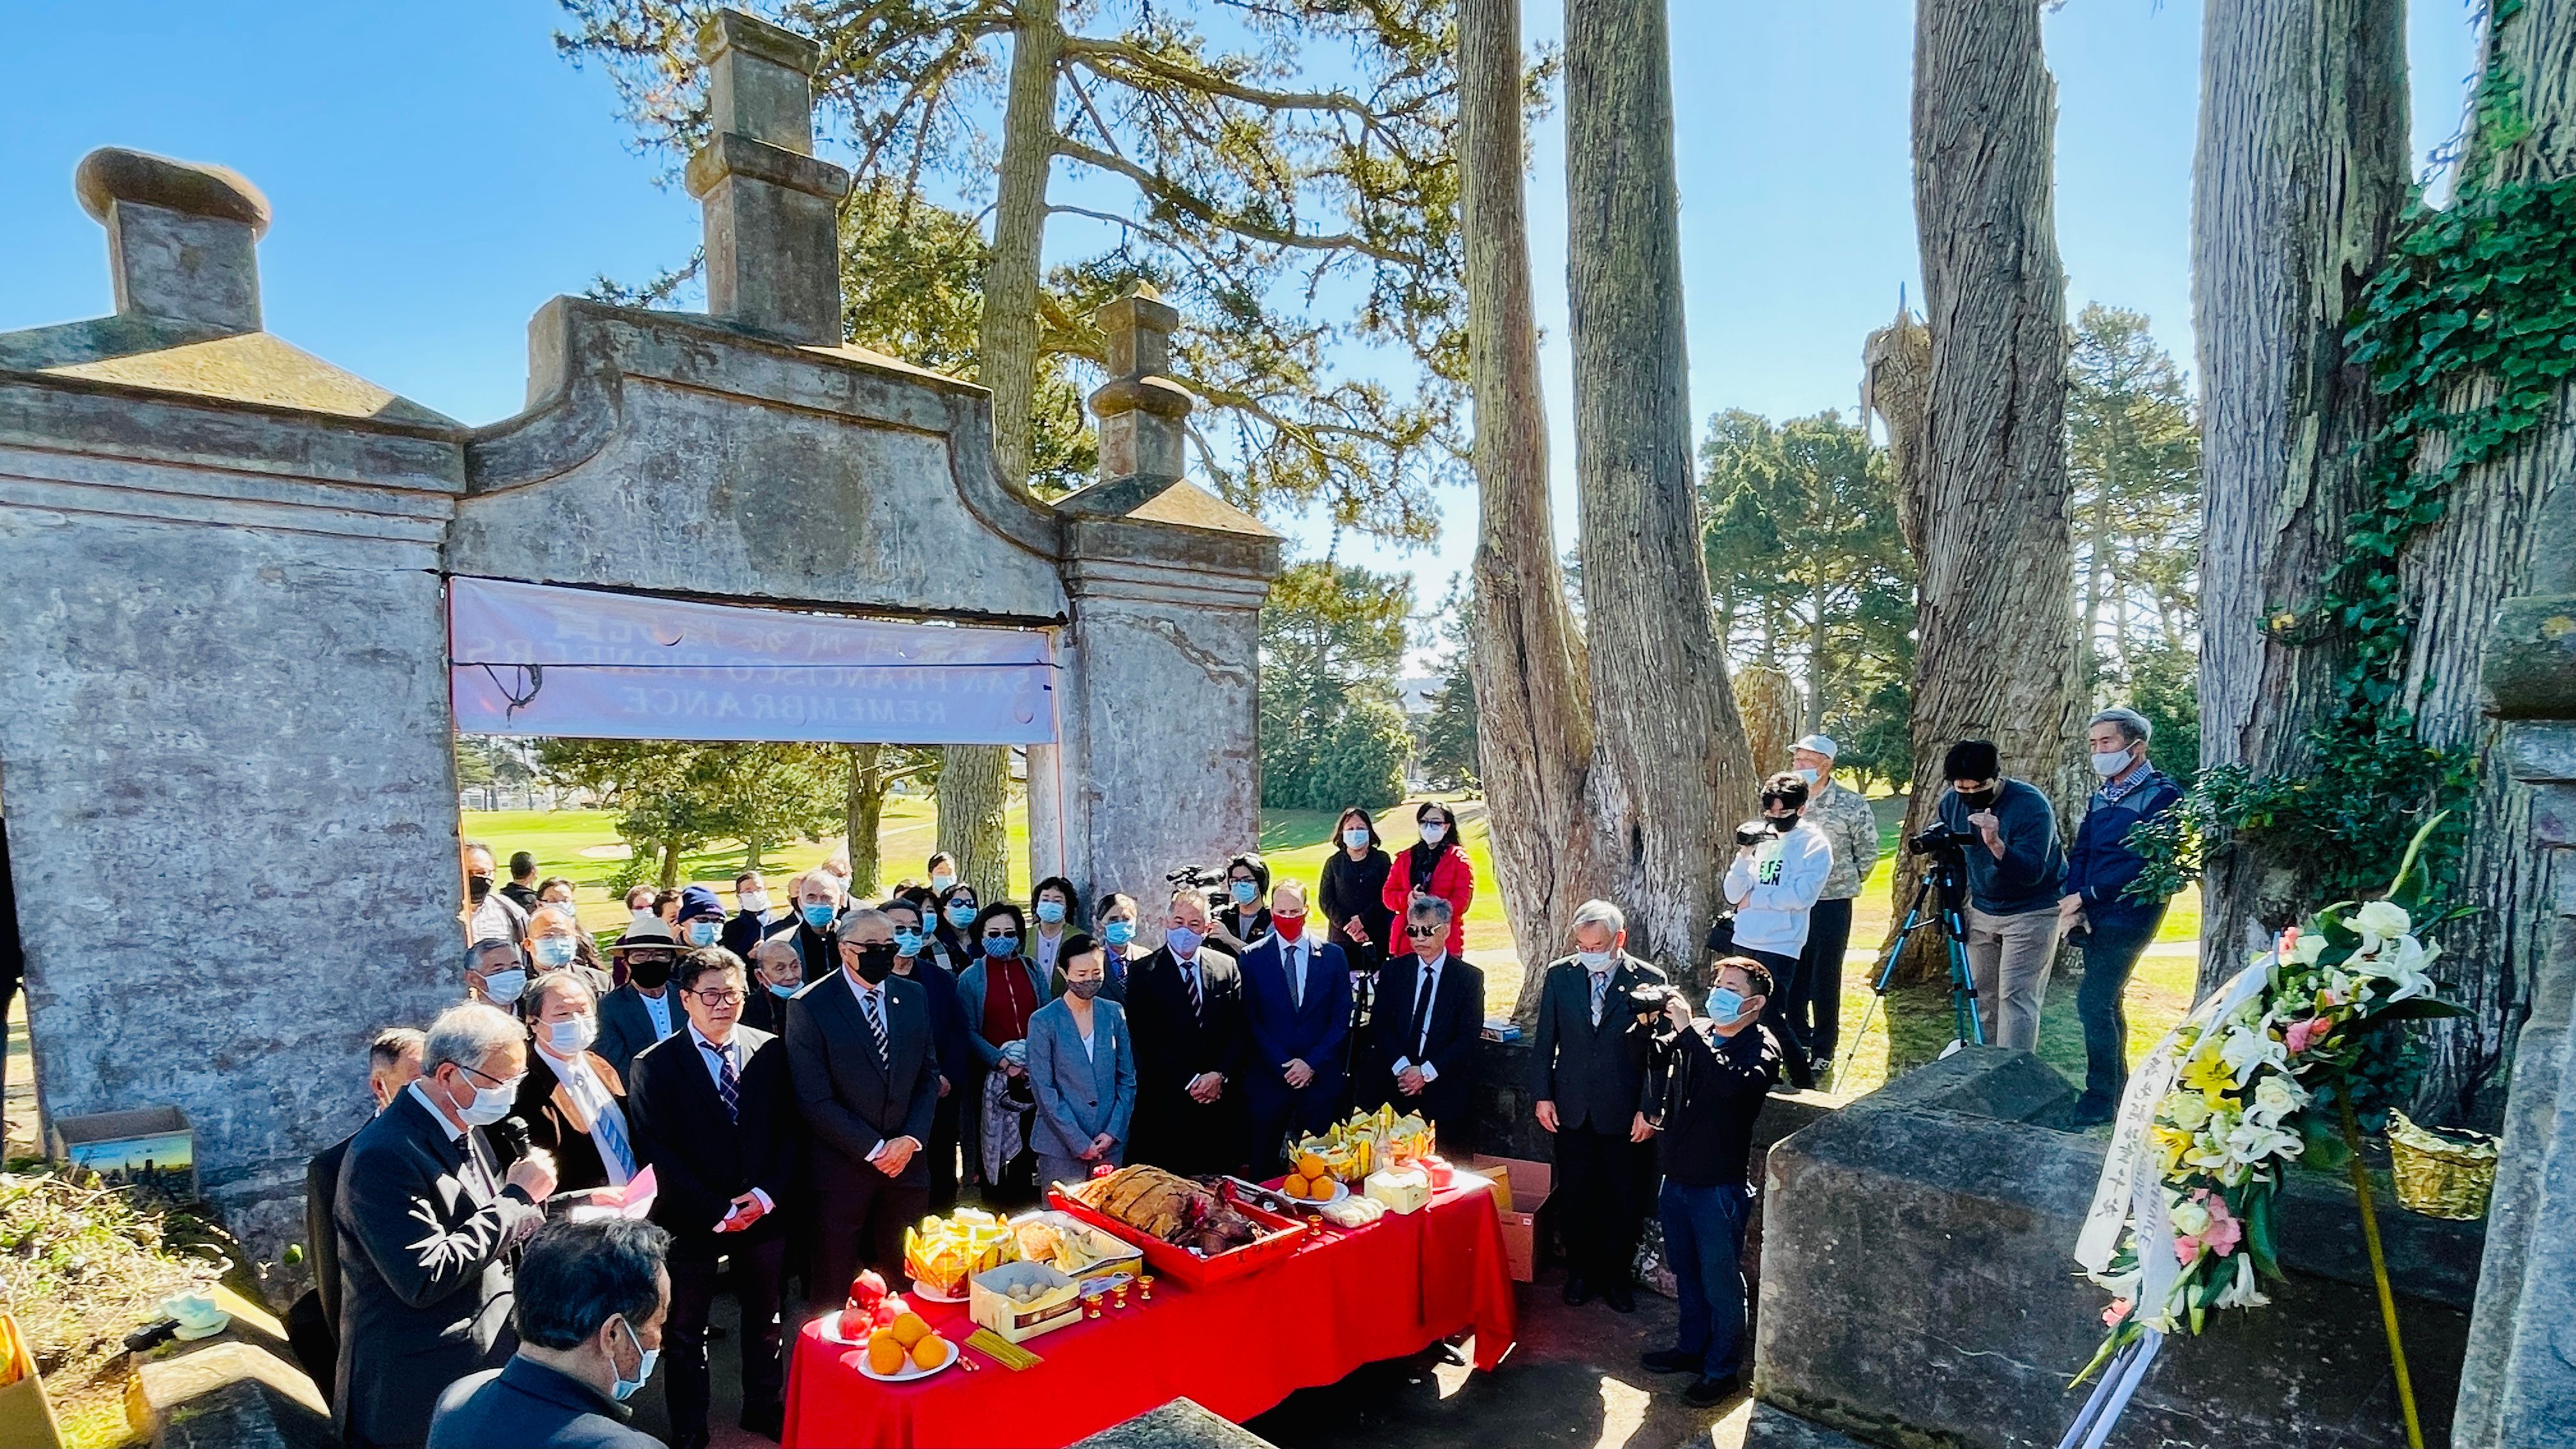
(511, 1133)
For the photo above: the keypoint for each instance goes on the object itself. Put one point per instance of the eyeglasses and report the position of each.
(512, 1084)
(1420, 933)
(726, 997)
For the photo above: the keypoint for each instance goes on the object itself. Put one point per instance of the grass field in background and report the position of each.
(583, 845)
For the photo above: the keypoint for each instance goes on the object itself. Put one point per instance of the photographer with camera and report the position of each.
(1780, 868)
(2109, 924)
(1708, 1078)
(2007, 832)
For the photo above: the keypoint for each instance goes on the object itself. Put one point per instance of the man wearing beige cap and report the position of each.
(1847, 822)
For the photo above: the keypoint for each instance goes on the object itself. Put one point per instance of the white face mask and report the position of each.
(756, 902)
(502, 988)
(2111, 764)
(491, 1104)
(572, 1034)
(1433, 832)
(644, 920)
(1594, 960)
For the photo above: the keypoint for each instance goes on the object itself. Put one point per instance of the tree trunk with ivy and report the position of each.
(1670, 773)
(2456, 573)
(1533, 724)
(1982, 470)
(2299, 179)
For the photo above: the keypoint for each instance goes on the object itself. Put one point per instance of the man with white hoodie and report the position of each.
(1780, 867)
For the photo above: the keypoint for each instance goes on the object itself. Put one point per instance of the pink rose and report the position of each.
(2225, 1231)
(2186, 1249)
(2112, 1315)
(2301, 1034)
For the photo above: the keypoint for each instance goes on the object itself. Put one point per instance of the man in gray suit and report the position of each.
(425, 1225)
(867, 1079)
(1590, 1066)
(591, 1302)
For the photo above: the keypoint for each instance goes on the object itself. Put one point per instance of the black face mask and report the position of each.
(477, 887)
(1783, 824)
(1978, 799)
(875, 960)
(649, 973)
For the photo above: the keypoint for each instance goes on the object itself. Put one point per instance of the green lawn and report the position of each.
(583, 845)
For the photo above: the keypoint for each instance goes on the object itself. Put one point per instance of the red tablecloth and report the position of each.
(1384, 1291)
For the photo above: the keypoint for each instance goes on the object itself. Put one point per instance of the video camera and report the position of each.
(1208, 881)
(1755, 831)
(1939, 838)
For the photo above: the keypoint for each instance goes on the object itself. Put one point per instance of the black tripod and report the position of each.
(1944, 878)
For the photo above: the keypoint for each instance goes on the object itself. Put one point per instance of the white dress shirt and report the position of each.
(590, 1095)
(1431, 974)
(861, 992)
(732, 1052)
(658, 1008)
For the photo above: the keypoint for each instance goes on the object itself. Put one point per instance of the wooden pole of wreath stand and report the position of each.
(2379, 1271)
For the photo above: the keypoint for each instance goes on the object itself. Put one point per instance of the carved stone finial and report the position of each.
(773, 259)
(1142, 412)
(182, 238)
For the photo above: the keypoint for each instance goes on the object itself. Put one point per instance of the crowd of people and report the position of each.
(806, 1076)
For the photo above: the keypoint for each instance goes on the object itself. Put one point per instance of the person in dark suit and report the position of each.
(777, 974)
(711, 1108)
(426, 1224)
(918, 957)
(313, 1320)
(1589, 1071)
(1297, 1007)
(1113, 924)
(522, 889)
(867, 1083)
(1186, 1004)
(751, 919)
(572, 1100)
(809, 928)
(642, 1011)
(592, 1297)
(1431, 1010)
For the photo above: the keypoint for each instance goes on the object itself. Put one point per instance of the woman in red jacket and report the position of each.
(1436, 865)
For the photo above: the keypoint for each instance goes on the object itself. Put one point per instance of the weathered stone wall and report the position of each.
(1918, 1289)
(225, 758)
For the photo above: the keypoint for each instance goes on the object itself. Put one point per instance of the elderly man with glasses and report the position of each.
(1430, 1013)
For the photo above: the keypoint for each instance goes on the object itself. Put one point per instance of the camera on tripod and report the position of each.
(1208, 881)
(1937, 838)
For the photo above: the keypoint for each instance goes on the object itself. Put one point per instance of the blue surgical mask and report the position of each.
(702, 933)
(1118, 933)
(1051, 912)
(818, 915)
(1433, 832)
(1243, 891)
(1725, 1004)
(1807, 775)
(940, 881)
(909, 943)
(554, 953)
(629, 1388)
(1183, 941)
(1001, 945)
(783, 992)
(1355, 839)
(1594, 960)
(962, 914)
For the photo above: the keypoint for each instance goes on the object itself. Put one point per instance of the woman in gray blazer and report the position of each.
(1082, 1067)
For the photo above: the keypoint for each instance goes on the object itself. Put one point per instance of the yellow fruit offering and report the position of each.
(931, 1352)
(885, 1352)
(909, 1329)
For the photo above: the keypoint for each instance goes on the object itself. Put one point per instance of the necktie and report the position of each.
(1198, 1004)
(729, 1082)
(1600, 989)
(876, 1024)
(473, 1162)
(1422, 1013)
(1296, 978)
(608, 1127)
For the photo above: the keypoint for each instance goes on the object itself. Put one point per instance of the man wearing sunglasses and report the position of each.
(712, 1104)
(1431, 1009)
(426, 1223)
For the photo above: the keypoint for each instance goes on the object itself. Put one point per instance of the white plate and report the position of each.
(928, 1294)
(910, 1370)
(1341, 1190)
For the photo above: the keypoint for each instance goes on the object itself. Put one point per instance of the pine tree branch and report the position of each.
(1180, 199)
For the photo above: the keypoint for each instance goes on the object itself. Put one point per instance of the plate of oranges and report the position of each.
(908, 1350)
(1310, 1182)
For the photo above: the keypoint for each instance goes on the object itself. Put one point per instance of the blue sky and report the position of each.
(438, 173)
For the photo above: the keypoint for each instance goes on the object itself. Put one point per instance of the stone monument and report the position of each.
(225, 725)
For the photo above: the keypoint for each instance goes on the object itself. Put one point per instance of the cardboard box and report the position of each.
(26, 1418)
(1514, 1179)
(990, 1305)
(149, 1147)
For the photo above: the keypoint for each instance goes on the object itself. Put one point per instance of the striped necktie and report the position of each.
(876, 1023)
(728, 1081)
(1198, 1003)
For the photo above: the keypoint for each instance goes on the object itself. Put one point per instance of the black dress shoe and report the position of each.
(1620, 1298)
(1452, 1355)
(1577, 1292)
(1671, 1361)
(769, 1424)
(1709, 1393)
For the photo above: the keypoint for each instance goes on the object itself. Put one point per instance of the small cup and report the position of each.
(1145, 1287)
(1091, 1305)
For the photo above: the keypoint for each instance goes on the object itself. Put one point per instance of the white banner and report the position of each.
(533, 659)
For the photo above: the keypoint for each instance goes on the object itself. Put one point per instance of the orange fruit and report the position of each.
(885, 1353)
(909, 1329)
(931, 1352)
(1310, 1165)
(1295, 1186)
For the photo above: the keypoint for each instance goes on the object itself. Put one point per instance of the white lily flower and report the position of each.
(2250, 1047)
(2310, 946)
(2254, 1144)
(2240, 1291)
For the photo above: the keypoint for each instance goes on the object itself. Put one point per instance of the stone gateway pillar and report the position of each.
(226, 738)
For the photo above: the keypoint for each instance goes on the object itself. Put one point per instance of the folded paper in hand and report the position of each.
(634, 1200)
